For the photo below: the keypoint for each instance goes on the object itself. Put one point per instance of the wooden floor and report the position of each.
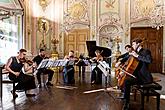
(56, 98)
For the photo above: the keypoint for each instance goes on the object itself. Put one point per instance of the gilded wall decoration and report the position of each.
(109, 6)
(75, 13)
(109, 22)
(141, 9)
(109, 27)
(43, 25)
(44, 32)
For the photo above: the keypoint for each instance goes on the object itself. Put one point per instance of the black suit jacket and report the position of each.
(141, 72)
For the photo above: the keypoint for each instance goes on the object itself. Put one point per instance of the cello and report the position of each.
(126, 70)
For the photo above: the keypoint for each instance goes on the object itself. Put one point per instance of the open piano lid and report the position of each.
(91, 47)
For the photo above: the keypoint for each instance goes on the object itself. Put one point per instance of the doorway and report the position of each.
(153, 40)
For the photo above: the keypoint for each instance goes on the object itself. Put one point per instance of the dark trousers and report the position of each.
(44, 71)
(25, 82)
(68, 75)
(96, 75)
(127, 88)
(81, 70)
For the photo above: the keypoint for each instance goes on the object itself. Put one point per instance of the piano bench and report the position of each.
(148, 90)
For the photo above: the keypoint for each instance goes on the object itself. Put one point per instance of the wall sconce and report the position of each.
(117, 40)
(43, 25)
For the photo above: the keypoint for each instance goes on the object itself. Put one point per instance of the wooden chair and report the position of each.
(4, 72)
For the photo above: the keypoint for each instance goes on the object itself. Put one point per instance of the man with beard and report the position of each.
(50, 72)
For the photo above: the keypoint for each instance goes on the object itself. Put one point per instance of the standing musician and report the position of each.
(141, 72)
(68, 71)
(50, 72)
(96, 76)
(14, 66)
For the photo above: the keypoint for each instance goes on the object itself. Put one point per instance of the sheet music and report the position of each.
(104, 64)
(50, 63)
(62, 62)
(43, 63)
(104, 67)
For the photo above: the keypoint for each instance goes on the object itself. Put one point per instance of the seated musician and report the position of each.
(14, 66)
(125, 56)
(141, 73)
(68, 71)
(96, 76)
(50, 72)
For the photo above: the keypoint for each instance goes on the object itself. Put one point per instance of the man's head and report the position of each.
(42, 52)
(22, 53)
(136, 43)
(71, 53)
(128, 48)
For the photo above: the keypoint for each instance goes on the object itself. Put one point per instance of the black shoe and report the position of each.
(49, 84)
(30, 95)
(14, 94)
(39, 86)
(126, 106)
(93, 82)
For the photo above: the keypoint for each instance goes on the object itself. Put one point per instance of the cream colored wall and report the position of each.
(33, 12)
(97, 20)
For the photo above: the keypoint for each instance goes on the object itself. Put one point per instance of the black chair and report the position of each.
(148, 90)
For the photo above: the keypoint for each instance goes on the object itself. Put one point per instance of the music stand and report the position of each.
(106, 70)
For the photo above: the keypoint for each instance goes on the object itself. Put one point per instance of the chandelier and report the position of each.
(158, 15)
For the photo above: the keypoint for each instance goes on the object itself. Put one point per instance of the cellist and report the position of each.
(120, 61)
(141, 72)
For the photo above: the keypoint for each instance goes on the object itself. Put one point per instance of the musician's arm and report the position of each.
(122, 56)
(8, 67)
(125, 58)
(66, 57)
(146, 56)
(27, 67)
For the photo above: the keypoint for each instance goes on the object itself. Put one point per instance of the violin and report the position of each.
(25, 60)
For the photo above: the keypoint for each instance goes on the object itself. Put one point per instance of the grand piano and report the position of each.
(91, 47)
(106, 53)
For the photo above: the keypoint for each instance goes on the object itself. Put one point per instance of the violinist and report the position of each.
(96, 76)
(50, 72)
(124, 57)
(141, 72)
(28, 66)
(14, 66)
(68, 71)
